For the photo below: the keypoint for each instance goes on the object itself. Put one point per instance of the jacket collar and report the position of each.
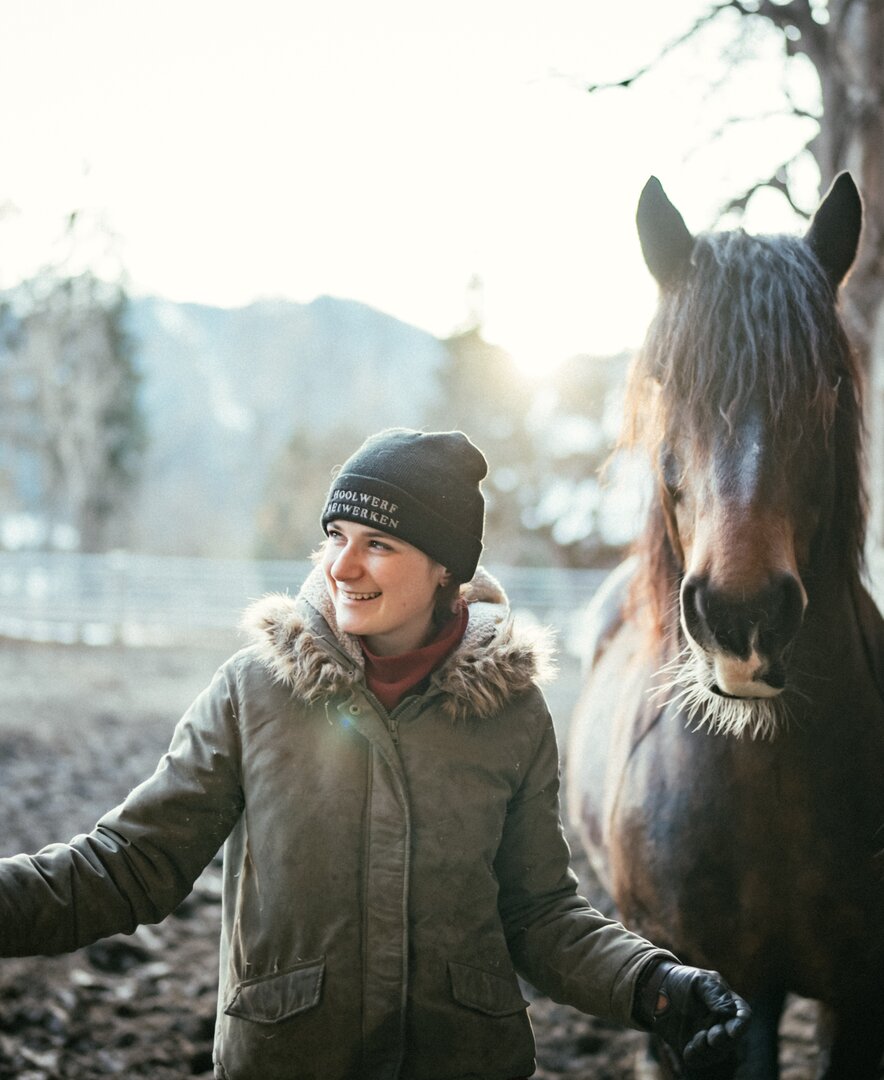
(298, 640)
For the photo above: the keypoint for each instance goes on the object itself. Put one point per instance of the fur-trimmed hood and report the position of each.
(297, 639)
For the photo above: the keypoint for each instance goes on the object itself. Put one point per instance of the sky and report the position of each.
(390, 152)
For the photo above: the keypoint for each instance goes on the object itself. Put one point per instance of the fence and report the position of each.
(129, 599)
(122, 598)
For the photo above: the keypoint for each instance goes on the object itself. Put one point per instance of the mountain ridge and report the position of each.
(223, 390)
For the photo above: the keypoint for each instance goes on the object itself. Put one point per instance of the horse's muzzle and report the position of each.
(745, 638)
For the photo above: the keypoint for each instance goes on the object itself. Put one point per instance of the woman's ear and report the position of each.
(445, 578)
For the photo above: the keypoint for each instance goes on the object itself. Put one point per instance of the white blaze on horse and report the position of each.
(726, 758)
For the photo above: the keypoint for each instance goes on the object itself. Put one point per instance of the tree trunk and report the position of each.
(849, 57)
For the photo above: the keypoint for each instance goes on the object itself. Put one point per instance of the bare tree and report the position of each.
(69, 400)
(844, 42)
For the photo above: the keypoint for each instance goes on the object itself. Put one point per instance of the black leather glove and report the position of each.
(695, 1012)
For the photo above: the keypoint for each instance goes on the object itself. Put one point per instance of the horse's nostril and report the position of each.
(713, 619)
(781, 610)
(763, 621)
(791, 605)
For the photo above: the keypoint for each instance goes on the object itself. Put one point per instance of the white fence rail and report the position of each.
(149, 600)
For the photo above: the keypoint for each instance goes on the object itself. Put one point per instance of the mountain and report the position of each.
(224, 390)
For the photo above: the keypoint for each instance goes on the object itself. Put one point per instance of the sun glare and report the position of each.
(533, 366)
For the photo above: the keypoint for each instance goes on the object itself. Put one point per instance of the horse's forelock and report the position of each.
(754, 322)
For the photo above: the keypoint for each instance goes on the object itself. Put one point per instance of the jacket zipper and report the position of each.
(394, 729)
(396, 715)
(404, 707)
(391, 722)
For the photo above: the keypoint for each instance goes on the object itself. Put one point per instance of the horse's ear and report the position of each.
(666, 242)
(835, 228)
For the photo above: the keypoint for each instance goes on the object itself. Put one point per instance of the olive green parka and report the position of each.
(385, 875)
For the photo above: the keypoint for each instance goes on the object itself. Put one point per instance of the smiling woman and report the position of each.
(383, 590)
(382, 770)
(404, 519)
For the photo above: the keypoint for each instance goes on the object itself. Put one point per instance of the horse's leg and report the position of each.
(761, 1047)
(855, 1039)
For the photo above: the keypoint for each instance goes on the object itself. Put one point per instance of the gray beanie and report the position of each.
(421, 486)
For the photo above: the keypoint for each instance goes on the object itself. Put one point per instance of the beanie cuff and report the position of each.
(377, 503)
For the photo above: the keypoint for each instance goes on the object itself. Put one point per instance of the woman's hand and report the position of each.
(695, 1012)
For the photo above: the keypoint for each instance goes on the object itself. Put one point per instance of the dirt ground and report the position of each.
(79, 727)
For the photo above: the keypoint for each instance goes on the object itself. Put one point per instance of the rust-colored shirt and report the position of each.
(390, 678)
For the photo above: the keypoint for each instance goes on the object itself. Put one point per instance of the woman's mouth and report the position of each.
(359, 595)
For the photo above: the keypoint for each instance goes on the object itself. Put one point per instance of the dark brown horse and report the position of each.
(726, 761)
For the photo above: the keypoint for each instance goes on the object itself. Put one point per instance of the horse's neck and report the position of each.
(871, 629)
(842, 640)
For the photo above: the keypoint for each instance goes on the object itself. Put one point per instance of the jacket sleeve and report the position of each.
(558, 941)
(142, 858)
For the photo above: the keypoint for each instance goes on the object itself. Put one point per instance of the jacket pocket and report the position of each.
(268, 999)
(487, 993)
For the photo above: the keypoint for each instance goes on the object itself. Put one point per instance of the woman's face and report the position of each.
(383, 589)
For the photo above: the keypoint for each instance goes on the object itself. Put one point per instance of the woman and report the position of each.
(383, 773)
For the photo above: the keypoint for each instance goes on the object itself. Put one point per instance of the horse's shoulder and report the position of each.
(605, 613)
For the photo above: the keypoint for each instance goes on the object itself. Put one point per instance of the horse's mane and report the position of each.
(754, 319)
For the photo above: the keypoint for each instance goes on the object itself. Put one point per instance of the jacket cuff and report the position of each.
(647, 991)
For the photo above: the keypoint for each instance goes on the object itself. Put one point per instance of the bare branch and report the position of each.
(789, 110)
(698, 25)
(797, 13)
(777, 181)
(733, 121)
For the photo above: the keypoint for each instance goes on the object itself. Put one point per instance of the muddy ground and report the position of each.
(79, 727)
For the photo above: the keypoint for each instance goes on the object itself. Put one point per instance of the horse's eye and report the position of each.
(673, 491)
(671, 473)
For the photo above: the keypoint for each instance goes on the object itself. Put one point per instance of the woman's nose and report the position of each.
(346, 564)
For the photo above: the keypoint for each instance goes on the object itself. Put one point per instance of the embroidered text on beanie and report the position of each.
(422, 486)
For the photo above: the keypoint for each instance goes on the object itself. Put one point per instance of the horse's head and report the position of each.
(747, 390)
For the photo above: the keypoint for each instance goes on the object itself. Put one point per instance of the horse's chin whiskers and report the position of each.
(684, 688)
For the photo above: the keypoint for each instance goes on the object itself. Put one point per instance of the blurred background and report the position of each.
(235, 239)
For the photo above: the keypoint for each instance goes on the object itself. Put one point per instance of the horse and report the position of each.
(725, 759)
